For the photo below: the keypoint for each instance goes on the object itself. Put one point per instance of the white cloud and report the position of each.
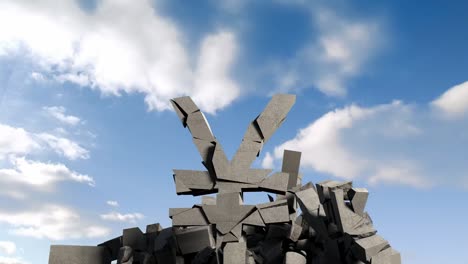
(12, 260)
(15, 141)
(338, 53)
(454, 102)
(51, 221)
(118, 217)
(392, 143)
(58, 112)
(18, 141)
(7, 247)
(113, 203)
(122, 46)
(64, 146)
(268, 161)
(40, 175)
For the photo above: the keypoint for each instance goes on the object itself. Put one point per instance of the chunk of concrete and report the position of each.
(194, 239)
(358, 198)
(134, 238)
(79, 255)
(192, 217)
(235, 253)
(366, 248)
(294, 258)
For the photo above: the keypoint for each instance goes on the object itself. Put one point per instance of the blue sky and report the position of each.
(88, 141)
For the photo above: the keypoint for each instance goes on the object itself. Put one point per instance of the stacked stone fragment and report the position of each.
(323, 223)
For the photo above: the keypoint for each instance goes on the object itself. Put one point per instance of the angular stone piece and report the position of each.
(192, 217)
(387, 256)
(194, 239)
(358, 198)
(276, 183)
(208, 200)
(113, 246)
(78, 255)
(230, 237)
(199, 127)
(193, 179)
(294, 258)
(254, 219)
(186, 104)
(365, 248)
(125, 255)
(309, 201)
(235, 253)
(277, 214)
(134, 238)
(295, 232)
(291, 163)
(346, 220)
(274, 114)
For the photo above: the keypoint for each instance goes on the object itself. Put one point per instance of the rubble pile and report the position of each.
(324, 223)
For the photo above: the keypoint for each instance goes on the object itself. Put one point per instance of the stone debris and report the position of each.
(322, 223)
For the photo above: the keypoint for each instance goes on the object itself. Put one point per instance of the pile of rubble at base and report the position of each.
(324, 224)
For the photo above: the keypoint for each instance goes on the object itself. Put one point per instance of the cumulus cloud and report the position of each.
(118, 217)
(7, 247)
(58, 112)
(121, 46)
(393, 143)
(39, 174)
(113, 203)
(64, 146)
(454, 102)
(12, 260)
(336, 54)
(54, 222)
(16, 141)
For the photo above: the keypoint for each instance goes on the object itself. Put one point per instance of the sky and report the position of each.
(88, 140)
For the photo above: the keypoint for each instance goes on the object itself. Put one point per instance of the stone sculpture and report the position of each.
(324, 223)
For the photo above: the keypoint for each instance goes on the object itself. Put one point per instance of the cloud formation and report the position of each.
(454, 102)
(18, 141)
(40, 175)
(338, 53)
(58, 112)
(51, 221)
(122, 46)
(383, 144)
(118, 217)
(7, 247)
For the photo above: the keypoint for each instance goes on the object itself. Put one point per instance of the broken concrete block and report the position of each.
(79, 255)
(235, 253)
(194, 239)
(358, 198)
(192, 217)
(365, 248)
(294, 258)
(134, 238)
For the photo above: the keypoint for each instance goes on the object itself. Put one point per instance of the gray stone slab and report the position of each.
(253, 132)
(180, 187)
(205, 148)
(309, 201)
(126, 255)
(346, 220)
(194, 239)
(257, 175)
(295, 232)
(387, 256)
(291, 164)
(113, 246)
(134, 238)
(274, 114)
(186, 104)
(175, 211)
(235, 253)
(276, 183)
(180, 113)
(221, 164)
(248, 151)
(254, 219)
(294, 258)
(358, 198)
(198, 126)
(230, 237)
(78, 255)
(277, 214)
(272, 204)
(365, 248)
(163, 239)
(192, 217)
(194, 179)
(208, 200)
